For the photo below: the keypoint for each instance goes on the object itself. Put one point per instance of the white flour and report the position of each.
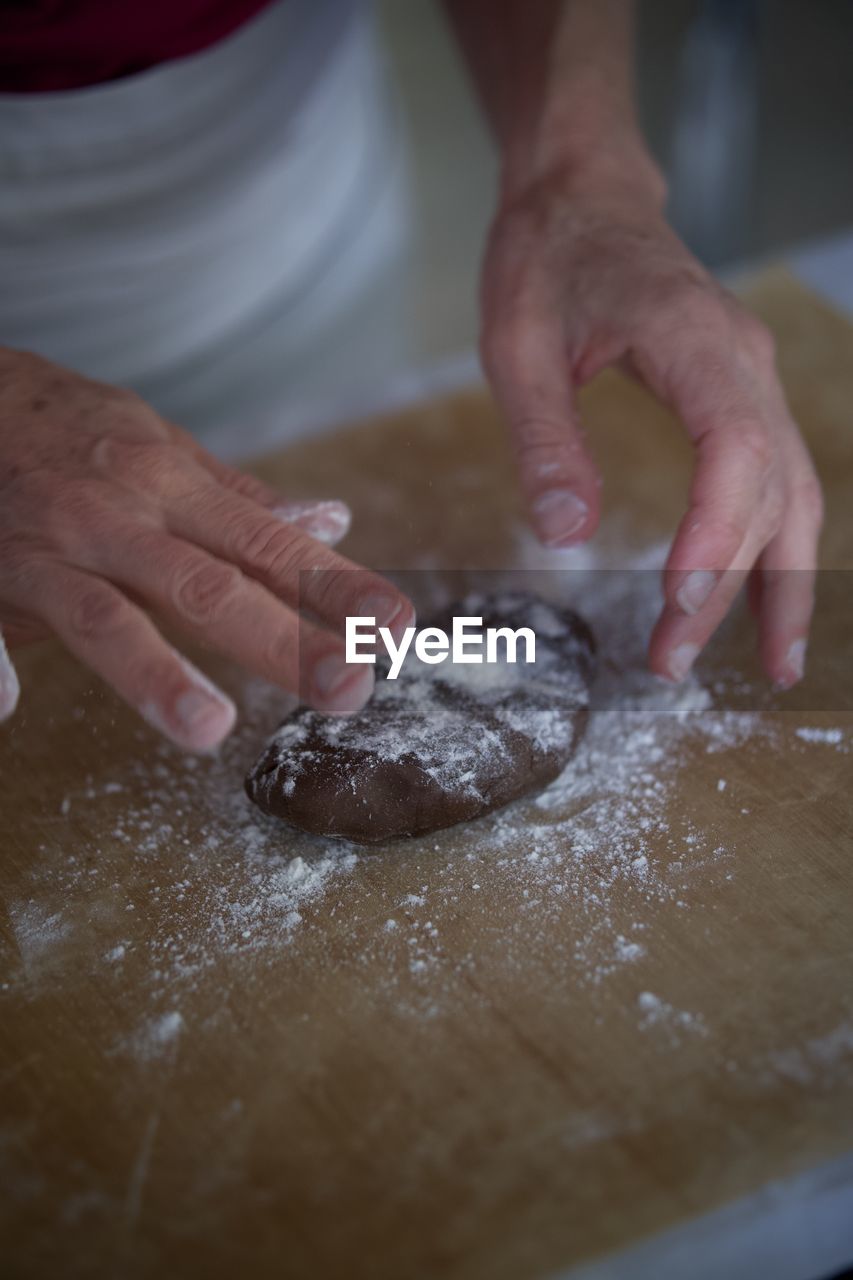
(830, 737)
(157, 1037)
(173, 903)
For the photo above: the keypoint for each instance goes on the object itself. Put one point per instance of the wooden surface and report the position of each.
(495, 1053)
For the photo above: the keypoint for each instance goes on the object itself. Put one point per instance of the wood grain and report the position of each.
(476, 1092)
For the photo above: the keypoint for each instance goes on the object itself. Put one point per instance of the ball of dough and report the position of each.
(440, 744)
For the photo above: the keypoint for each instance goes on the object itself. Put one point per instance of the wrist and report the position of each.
(591, 149)
(612, 177)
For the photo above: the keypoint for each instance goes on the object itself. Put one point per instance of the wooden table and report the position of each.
(502, 1052)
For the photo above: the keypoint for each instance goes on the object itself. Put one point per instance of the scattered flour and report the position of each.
(656, 1012)
(830, 737)
(158, 1036)
(195, 875)
(626, 951)
(815, 1061)
(38, 931)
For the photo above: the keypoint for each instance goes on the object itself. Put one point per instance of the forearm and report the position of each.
(556, 81)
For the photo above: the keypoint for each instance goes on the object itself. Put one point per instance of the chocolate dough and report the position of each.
(440, 744)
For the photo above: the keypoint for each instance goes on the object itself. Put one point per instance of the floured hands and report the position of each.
(107, 511)
(580, 275)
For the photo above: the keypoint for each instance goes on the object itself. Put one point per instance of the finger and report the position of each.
(787, 605)
(788, 569)
(527, 364)
(294, 567)
(326, 519)
(733, 509)
(735, 413)
(735, 501)
(10, 688)
(115, 639)
(678, 638)
(217, 605)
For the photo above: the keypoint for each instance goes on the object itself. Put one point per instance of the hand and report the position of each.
(106, 509)
(580, 275)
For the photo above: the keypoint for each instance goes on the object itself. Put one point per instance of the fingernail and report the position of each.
(681, 660)
(349, 686)
(559, 514)
(795, 665)
(10, 688)
(695, 590)
(327, 520)
(390, 612)
(199, 718)
(204, 717)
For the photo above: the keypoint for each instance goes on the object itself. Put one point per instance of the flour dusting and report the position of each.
(829, 737)
(158, 1036)
(194, 878)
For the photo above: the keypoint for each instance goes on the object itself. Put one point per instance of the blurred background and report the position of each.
(748, 105)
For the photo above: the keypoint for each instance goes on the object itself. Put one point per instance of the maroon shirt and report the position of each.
(48, 45)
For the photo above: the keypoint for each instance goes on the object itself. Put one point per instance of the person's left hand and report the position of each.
(582, 276)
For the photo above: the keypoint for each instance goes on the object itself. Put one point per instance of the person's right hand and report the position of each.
(107, 510)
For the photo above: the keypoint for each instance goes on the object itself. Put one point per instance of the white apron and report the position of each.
(175, 231)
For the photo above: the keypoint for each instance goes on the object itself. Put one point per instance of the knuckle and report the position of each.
(725, 535)
(146, 465)
(241, 483)
(96, 611)
(206, 590)
(267, 546)
(694, 303)
(688, 312)
(533, 436)
(123, 414)
(337, 591)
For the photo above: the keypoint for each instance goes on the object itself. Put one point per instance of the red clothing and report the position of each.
(48, 45)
